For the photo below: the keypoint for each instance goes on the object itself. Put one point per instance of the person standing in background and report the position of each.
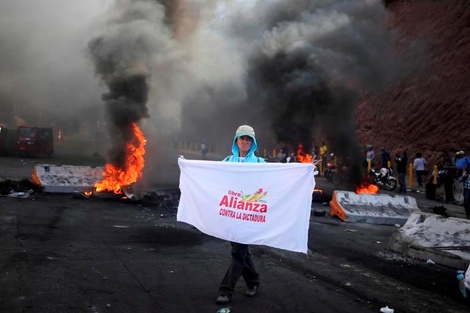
(204, 149)
(370, 155)
(462, 162)
(323, 152)
(385, 158)
(449, 172)
(419, 165)
(465, 179)
(401, 161)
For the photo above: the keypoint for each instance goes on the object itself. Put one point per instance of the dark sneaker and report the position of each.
(251, 291)
(222, 299)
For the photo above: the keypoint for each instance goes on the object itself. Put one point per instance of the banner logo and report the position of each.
(246, 207)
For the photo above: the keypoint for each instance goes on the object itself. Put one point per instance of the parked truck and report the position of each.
(32, 140)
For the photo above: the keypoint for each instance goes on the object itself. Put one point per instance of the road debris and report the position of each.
(387, 310)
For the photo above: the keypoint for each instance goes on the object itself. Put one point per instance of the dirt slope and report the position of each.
(431, 112)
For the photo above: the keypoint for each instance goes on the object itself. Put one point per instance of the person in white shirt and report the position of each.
(370, 155)
(419, 165)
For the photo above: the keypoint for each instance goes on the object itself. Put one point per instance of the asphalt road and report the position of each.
(62, 254)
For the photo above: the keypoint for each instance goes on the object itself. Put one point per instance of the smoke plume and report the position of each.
(293, 69)
(307, 64)
(45, 78)
(123, 57)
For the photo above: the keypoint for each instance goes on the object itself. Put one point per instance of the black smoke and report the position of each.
(316, 60)
(123, 57)
(293, 69)
(308, 63)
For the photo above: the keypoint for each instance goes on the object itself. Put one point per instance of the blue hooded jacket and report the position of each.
(250, 156)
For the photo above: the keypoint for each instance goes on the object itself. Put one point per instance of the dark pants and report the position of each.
(466, 201)
(241, 265)
(449, 188)
(419, 177)
(402, 182)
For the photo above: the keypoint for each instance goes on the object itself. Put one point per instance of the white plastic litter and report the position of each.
(20, 194)
(429, 261)
(387, 310)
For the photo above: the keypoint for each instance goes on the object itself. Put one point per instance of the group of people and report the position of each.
(419, 166)
(284, 157)
(450, 169)
(401, 162)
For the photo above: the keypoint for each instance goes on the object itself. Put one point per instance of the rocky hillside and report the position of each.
(429, 112)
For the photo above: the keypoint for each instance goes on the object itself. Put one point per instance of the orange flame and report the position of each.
(114, 178)
(303, 157)
(366, 187)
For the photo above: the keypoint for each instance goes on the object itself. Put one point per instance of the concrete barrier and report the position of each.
(434, 237)
(372, 208)
(66, 178)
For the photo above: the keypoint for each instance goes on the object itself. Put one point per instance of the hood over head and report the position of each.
(244, 130)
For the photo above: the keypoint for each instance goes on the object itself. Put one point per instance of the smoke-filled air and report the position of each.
(196, 69)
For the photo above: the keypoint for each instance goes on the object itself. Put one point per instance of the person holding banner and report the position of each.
(256, 203)
(244, 146)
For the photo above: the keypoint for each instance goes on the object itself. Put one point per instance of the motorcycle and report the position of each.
(335, 174)
(383, 178)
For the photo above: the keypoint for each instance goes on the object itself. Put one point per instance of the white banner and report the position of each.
(250, 203)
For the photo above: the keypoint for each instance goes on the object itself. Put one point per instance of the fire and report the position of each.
(114, 178)
(366, 187)
(303, 157)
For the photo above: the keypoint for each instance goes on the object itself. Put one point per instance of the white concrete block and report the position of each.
(431, 236)
(372, 208)
(66, 178)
